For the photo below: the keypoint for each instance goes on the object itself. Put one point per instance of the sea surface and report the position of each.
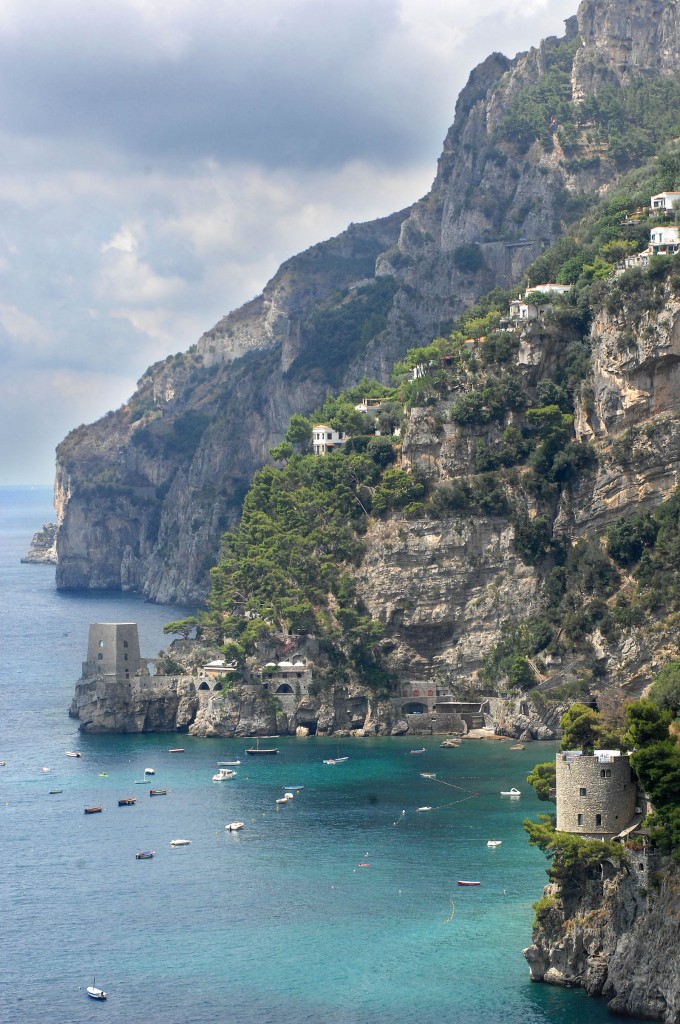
(341, 907)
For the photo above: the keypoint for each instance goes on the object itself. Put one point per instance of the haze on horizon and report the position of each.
(163, 159)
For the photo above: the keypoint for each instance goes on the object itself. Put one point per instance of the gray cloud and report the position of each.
(161, 159)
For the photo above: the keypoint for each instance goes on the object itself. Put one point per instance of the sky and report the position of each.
(163, 157)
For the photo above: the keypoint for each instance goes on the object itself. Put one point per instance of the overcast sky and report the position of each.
(163, 157)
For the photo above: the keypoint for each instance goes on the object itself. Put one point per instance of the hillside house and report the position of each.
(664, 240)
(522, 309)
(286, 677)
(665, 201)
(638, 259)
(370, 406)
(325, 439)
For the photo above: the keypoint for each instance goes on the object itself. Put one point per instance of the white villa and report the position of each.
(325, 439)
(372, 406)
(664, 240)
(665, 201)
(525, 309)
(219, 667)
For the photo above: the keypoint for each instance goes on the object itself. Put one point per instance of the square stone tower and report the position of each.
(113, 651)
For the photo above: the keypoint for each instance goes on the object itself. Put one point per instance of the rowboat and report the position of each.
(73, 753)
(228, 764)
(421, 750)
(423, 808)
(157, 792)
(176, 750)
(93, 810)
(145, 855)
(257, 749)
(462, 882)
(127, 801)
(53, 792)
(180, 842)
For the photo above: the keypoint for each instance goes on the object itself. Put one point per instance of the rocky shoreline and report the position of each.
(43, 549)
(617, 938)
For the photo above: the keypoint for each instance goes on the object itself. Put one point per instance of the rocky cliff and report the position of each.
(143, 495)
(43, 546)
(616, 938)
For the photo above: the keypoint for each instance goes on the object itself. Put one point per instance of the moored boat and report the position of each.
(94, 992)
(423, 808)
(93, 810)
(149, 771)
(510, 792)
(228, 764)
(257, 749)
(420, 750)
(180, 842)
(53, 792)
(234, 826)
(127, 801)
(157, 792)
(145, 855)
(494, 842)
(73, 753)
(463, 882)
(176, 750)
(223, 775)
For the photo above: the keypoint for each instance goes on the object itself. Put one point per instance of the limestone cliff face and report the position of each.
(43, 550)
(144, 494)
(616, 939)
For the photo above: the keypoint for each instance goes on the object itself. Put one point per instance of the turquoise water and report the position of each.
(275, 923)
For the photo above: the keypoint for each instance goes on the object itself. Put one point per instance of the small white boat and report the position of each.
(510, 792)
(73, 753)
(494, 842)
(228, 764)
(149, 771)
(234, 826)
(282, 800)
(289, 796)
(94, 992)
(429, 775)
(223, 775)
(180, 842)
(45, 771)
(423, 808)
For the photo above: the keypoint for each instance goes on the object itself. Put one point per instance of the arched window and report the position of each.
(125, 643)
(204, 686)
(100, 657)
(101, 643)
(430, 693)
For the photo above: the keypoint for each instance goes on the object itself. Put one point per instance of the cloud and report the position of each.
(161, 159)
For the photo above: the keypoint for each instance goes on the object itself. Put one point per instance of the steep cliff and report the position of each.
(616, 938)
(143, 495)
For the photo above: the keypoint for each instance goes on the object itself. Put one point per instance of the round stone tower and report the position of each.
(596, 794)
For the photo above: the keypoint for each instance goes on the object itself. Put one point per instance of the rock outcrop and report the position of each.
(617, 938)
(43, 546)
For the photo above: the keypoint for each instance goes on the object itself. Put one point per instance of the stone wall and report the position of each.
(603, 793)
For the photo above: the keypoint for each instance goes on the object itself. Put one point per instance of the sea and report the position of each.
(340, 907)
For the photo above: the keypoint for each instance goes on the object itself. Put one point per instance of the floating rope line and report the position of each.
(452, 785)
(449, 919)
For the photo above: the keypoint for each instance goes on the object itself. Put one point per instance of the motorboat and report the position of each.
(145, 855)
(45, 771)
(463, 882)
(53, 792)
(223, 775)
(234, 826)
(73, 753)
(228, 764)
(180, 842)
(103, 775)
(494, 842)
(94, 992)
(296, 788)
(282, 800)
(176, 750)
(423, 808)
(421, 750)
(157, 792)
(289, 796)
(149, 771)
(127, 801)
(511, 792)
(429, 775)
(93, 810)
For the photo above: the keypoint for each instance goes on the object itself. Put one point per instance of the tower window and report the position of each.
(101, 643)
(125, 643)
(125, 657)
(100, 657)
(582, 791)
(580, 819)
(598, 819)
